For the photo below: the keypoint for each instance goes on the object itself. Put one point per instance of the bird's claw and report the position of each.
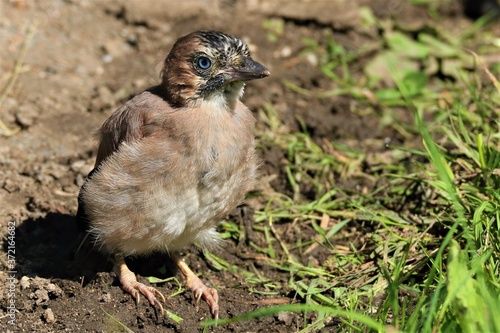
(211, 296)
(151, 294)
(133, 287)
(200, 291)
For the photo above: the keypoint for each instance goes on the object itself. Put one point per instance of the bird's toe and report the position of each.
(210, 295)
(151, 294)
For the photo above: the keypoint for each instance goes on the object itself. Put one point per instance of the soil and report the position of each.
(88, 57)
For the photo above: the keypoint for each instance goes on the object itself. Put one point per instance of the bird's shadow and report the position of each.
(53, 247)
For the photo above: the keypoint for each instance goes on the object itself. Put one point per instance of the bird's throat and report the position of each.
(222, 100)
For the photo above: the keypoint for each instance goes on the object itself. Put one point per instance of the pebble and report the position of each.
(26, 115)
(312, 59)
(48, 315)
(77, 165)
(285, 317)
(41, 296)
(54, 289)
(107, 58)
(286, 52)
(10, 186)
(105, 298)
(24, 283)
(85, 170)
(79, 181)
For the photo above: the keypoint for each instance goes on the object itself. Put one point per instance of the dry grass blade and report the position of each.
(486, 70)
(325, 219)
(6, 131)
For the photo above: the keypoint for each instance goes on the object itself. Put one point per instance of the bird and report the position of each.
(173, 161)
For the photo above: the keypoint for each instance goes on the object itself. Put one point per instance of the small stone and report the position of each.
(54, 289)
(48, 315)
(26, 115)
(24, 283)
(105, 298)
(107, 58)
(312, 59)
(41, 296)
(85, 170)
(285, 317)
(10, 186)
(79, 181)
(133, 40)
(286, 52)
(70, 190)
(39, 282)
(77, 165)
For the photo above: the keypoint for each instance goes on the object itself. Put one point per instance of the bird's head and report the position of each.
(208, 65)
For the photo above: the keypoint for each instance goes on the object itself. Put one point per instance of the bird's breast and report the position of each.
(221, 138)
(167, 191)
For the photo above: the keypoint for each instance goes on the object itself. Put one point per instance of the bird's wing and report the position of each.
(136, 119)
(133, 121)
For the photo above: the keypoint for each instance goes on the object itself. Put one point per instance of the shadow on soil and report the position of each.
(49, 247)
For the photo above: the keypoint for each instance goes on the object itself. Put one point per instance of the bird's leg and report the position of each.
(193, 282)
(130, 285)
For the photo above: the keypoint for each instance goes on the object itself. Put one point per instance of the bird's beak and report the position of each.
(250, 70)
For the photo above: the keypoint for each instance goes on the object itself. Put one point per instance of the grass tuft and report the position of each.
(402, 238)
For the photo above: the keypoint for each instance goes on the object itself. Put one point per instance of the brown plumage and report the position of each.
(175, 159)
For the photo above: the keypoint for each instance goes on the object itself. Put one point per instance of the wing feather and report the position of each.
(136, 119)
(132, 122)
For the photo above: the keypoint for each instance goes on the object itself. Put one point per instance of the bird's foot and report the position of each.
(133, 287)
(210, 295)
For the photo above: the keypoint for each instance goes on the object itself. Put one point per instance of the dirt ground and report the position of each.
(84, 60)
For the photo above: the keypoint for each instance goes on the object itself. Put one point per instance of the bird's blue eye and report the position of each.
(204, 63)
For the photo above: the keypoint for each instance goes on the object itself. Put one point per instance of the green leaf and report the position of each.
(465, 293)
(452, 67)
(153, 279)
(174, 317)
(368, 19)
(271, 311)
(387, 95)
(415, 82)
(405, 46)
(389, 65)
(437, 47)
